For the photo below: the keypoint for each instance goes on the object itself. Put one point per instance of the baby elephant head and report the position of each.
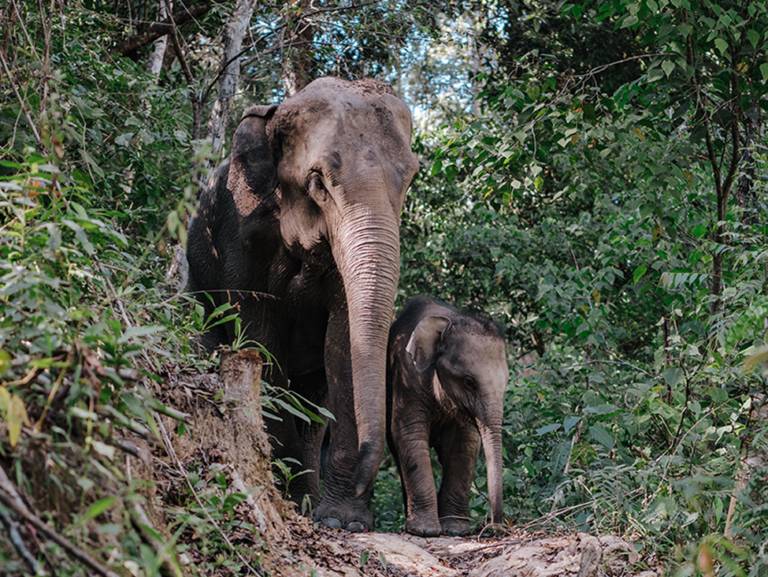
(466, 355)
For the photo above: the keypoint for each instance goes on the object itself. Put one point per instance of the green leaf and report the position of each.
(132, 333)
(639, 273)
(721, 45)
(291, 409)
(606, 409)
(668, 66)
(764, 70)
(80, 235)
(630, 20)
(673, 376)
(5, 361)
(699, 230)
(547, 429)
(364, 556)
(753, 36)
(99, 507)
(103, 449)
(601, 435)
(569, 423)
(15, 418)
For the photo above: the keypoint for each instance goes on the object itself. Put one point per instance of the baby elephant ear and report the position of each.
(422, 346)
(252, 171)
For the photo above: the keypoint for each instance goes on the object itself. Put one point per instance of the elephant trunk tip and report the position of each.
(491, 438)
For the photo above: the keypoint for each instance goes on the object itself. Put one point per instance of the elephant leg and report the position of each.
(339, 506)
(396, 459)
(457, 449)
(411, 437)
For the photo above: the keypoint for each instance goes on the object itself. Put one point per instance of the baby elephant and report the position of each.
(446, 375)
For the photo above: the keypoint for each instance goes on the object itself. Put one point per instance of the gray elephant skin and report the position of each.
(446, 376)
(300, 232)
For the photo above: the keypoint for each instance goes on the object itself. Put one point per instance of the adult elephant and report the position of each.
(300, 232)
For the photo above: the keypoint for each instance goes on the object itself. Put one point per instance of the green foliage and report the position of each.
(583, 211)
(88, 322)
(593, 174)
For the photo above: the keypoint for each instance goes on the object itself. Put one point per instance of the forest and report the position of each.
(593, 174)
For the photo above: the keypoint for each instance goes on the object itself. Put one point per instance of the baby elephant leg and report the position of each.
(457, 449)
(412, 443)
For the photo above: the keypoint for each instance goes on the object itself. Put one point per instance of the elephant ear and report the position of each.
(252, 172)
(422, 346)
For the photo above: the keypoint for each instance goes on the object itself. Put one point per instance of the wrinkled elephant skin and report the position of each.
(446, 376)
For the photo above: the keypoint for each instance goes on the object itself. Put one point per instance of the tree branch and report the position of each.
(12, 527)
(10, 497)
(277, 29)
(158, 29)
(22, 104)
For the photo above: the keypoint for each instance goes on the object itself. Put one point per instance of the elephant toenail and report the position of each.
(356, 527)
(331, 522)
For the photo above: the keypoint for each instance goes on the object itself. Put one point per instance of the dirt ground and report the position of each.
(517, 554)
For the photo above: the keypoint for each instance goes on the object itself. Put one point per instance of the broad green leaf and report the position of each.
(668, 66)
(639, 273)
(721, 45)
(630, 20)
(547, 429)
(673, 376)
(601, 435)
(570, 423)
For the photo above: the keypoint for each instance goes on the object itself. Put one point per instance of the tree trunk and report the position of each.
(745, 191)
(158, 51)
(297, 47)
(233, 42)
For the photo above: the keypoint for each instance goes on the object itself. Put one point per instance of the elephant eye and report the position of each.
(316, 187)
(470, 382)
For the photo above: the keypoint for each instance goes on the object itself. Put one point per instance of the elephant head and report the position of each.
(336, 159)
(469, 357)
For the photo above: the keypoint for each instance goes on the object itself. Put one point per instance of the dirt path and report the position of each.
(521, 554)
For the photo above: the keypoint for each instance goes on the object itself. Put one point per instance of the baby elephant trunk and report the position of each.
(491, 436)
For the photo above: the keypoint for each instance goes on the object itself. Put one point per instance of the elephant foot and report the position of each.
(353, 517)
(422, 526)
(454, 526)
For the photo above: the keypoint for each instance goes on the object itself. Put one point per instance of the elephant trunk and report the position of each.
(368, 256)
(491, 436)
